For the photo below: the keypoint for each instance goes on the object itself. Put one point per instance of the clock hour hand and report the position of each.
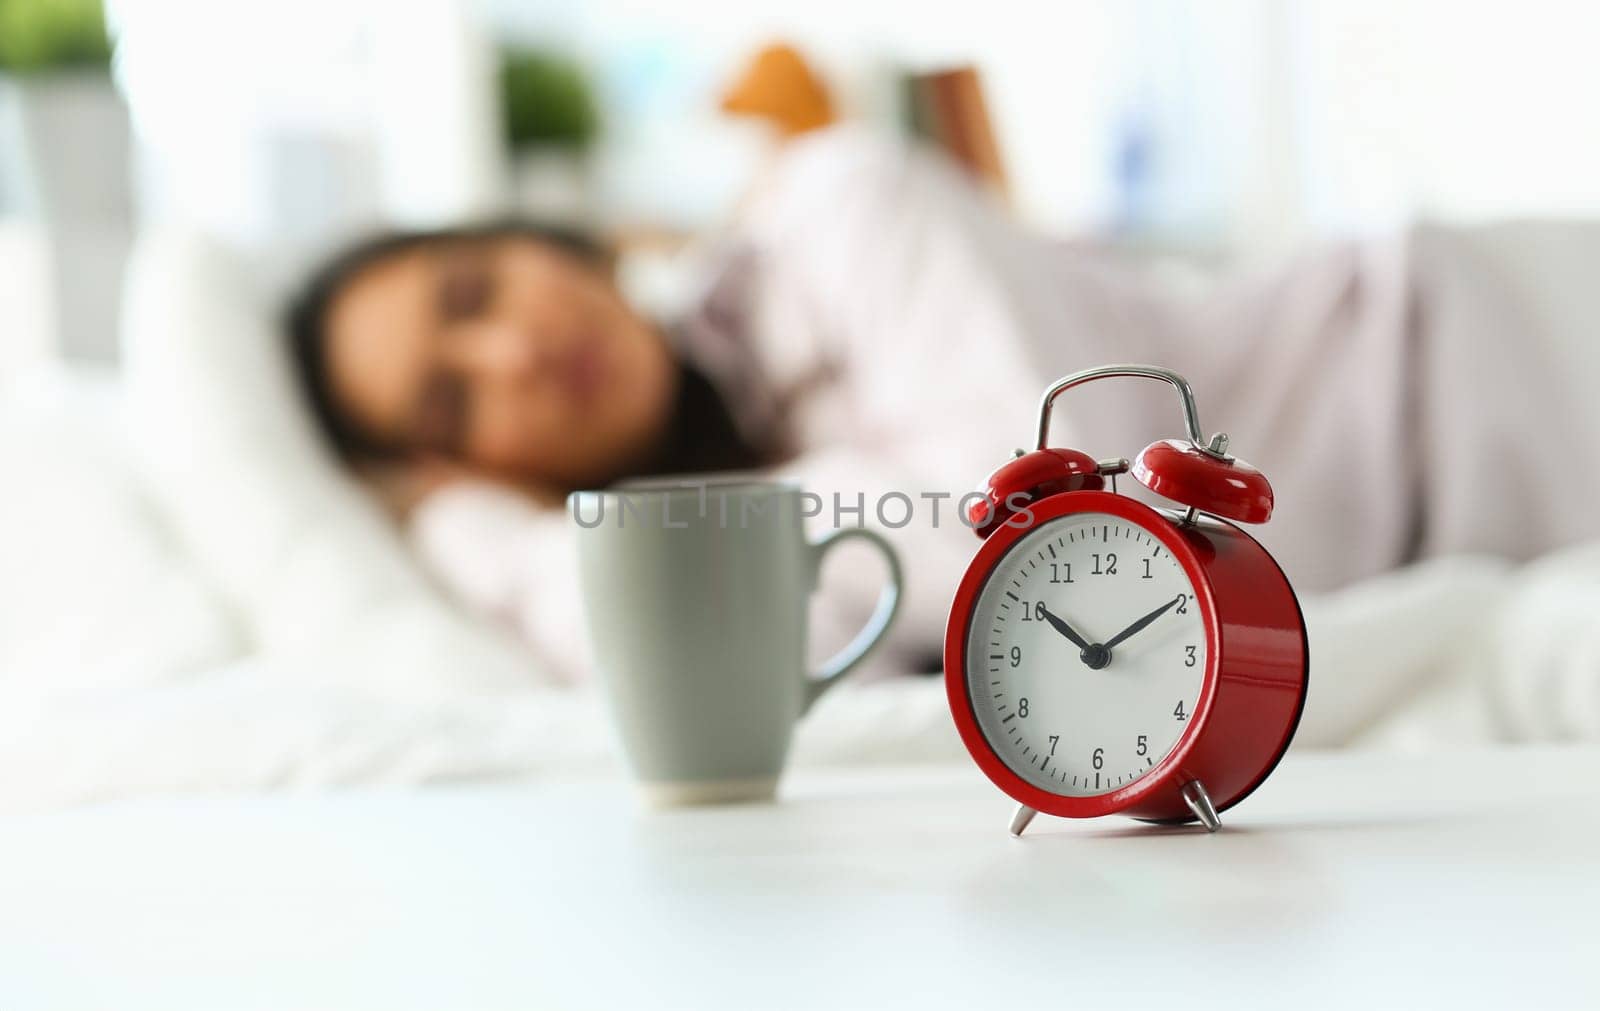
(1064, 628)
(1142, 623)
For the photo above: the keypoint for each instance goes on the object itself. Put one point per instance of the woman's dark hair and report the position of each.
(307, 315)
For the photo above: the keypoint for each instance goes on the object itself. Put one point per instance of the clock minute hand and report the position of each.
(1064, 628)
(1142, 623)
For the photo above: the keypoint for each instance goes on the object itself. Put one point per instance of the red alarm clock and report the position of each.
(1106, 657)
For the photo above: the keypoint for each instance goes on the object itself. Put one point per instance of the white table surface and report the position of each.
(1350, 881)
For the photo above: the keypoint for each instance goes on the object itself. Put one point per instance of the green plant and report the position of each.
(37, 35)
(545, 100)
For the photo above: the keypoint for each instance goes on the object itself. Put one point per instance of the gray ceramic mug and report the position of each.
(696, 596)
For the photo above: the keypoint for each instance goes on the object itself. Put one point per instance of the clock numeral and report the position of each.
(1054, 740)
(1146, 575)
(1142, 747)
(1099, 758)
(1022, 707)
(1016, 655)
(1178, 713)
(1110, 564)
(1183, 603)
(1188, 657)
(1034, 613)
(1058, 569)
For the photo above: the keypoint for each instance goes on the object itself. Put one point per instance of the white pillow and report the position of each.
(310, 563)
(95, 600)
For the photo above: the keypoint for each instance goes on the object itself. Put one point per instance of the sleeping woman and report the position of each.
(876, 323)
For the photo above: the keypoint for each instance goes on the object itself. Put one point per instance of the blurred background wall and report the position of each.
(1229, 129)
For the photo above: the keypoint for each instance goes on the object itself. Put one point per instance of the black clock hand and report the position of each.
(1065, 629)
(1143, 623)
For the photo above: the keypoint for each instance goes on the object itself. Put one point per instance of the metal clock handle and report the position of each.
(1191, 414)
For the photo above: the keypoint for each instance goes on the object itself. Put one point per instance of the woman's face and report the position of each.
(505, 353)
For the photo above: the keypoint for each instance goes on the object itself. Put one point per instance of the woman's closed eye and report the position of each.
(465, 288)
(442, 413)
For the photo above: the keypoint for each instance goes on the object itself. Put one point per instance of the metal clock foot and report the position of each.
(1020, 820)
(1199, 801)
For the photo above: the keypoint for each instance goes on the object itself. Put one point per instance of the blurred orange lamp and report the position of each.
(779, 86)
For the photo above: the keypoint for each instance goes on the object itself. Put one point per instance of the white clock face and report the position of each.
(1085, 655)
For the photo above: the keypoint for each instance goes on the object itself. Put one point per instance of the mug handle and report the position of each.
(842, 662)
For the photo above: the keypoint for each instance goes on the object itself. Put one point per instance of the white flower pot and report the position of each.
(554, 186)
(64, 163)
